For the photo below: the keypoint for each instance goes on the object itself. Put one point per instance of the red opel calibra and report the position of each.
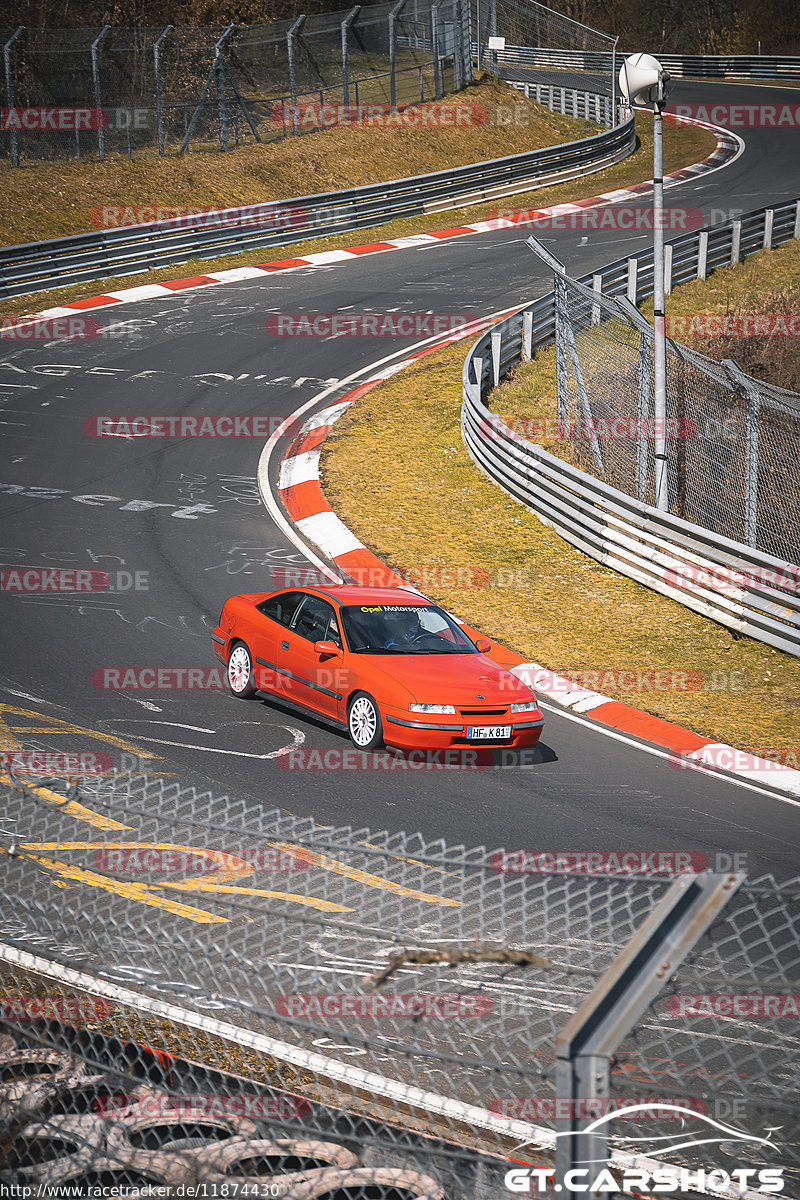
(385, 664)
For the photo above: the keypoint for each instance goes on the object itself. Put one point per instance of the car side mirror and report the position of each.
(326, 649)
(484, 645)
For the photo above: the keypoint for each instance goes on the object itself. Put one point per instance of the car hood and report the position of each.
(453, 678)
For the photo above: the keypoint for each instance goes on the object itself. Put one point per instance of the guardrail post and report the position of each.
(351, 16)
(527, 335)
(702, 255)
(736, 242)
(769, 220)
(497, 350)
(668, 269)
(290, 36)
(633, 278)
(95, 48)
(797, 218)
(750, 389)
(10, 89)
(613, 121)
(597, 285)
(564, 101)
(478, 361)
(574, 104)
(159, 93)
(633, 981)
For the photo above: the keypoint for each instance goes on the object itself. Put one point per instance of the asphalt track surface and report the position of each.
(207, 352)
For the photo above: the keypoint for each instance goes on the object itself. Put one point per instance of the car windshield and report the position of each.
(403, 629)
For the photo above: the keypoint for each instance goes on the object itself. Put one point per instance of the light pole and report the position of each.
(642, 81)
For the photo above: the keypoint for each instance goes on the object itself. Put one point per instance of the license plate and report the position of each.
(488, 733)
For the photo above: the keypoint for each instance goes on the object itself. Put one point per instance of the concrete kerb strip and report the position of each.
(728, 149)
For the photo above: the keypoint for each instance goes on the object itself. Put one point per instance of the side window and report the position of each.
(333, 634)
(312, 619)
(281, 608)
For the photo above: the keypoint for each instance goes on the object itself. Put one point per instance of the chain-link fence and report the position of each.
(531, 34)
(85, 93)
(731, 439)
(199, 989)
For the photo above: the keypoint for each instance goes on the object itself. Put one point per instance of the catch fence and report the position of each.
(142, 90)
(198, 989)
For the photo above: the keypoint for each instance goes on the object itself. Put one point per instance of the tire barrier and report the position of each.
(46, 1144)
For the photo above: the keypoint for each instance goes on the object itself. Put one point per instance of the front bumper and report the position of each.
(401, 730)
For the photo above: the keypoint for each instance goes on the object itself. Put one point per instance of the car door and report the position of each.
(268, 645)
(314, 682)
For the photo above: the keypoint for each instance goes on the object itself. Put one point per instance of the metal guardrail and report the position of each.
(680, 66)
(615, 529)
(38, 266)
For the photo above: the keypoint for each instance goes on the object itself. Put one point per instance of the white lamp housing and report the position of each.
(639, 78)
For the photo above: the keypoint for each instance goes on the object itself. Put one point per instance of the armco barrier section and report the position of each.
(680, 66)
(38, 266)
(650, 546)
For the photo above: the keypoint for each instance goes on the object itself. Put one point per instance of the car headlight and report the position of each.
(525, 706)
(432, 708)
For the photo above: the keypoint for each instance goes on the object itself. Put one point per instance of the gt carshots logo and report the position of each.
(57, 120)
(416, 325)
(697, 1129)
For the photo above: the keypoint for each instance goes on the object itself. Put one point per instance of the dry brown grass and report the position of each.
(681, 147)
(396, 471)
(53, 199)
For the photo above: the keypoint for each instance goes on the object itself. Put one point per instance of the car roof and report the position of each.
(355, 594)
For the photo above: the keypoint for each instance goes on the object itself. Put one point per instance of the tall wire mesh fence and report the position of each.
(199, 989)
(85, 93)
(527, 25)
(731, 438)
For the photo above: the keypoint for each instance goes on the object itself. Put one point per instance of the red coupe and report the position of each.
(386, 664)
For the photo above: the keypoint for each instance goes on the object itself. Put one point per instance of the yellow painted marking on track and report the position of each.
(309, 901)
(232, 868)
(141, 892)
(56, 725)
(376, 881)
(71, 808)
(415, 862)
